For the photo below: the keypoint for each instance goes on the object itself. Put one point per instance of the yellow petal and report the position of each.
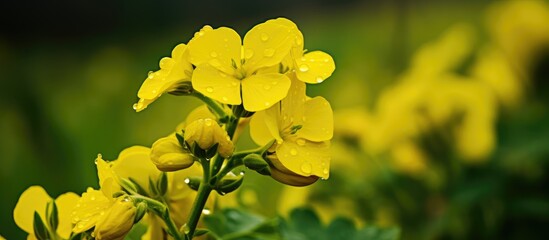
(297, 49)
(260, 92)
(33, 199)
(259, 131)
(135, 162)
(65, 205)
(90, 207)
(293, 106)
(216, 84)
(266, 45)
(218, 47)
(201, 112)
(305, 158)
(318, 120)
(314, 67)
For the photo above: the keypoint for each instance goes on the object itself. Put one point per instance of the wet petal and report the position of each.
(314, 67)
(218, 47)
(305, 158)
(260, 132)
(135, 162)
(293, 106)
(90, 207)
(318, 120)
(266, 45)
(260, 92)
(65, 205)
(216, 84)
(33, 199)
(297, 49)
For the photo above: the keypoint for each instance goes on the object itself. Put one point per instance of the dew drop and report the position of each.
(266, 86)
(264, 37)
(206, 211)
(75, 219)
(301, 142)
(186, 228)
(306, 168)
(187, 180)
(209, 89)
(293, 152)
(150, 75)
(274, 82)
(242, 173)
(80, 225)
(234, 84)
(154, 91)
(166, 63)
(213, 54)
(326, 60)
(225, 99)
(325, 171)
(248, 53)
(208, 122)
(225, 40)
(298, 41)
(269, 52)
(267, 104)
(319, 79)
(102, 213)
(92, 198)
(304, 68)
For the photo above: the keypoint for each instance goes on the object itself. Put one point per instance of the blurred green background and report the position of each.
(71, 71)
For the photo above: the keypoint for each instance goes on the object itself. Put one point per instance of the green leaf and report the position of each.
(234, 223)
(137, 231)
(40, 230)
(162, 184)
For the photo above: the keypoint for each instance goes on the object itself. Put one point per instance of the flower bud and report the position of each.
(206, 133)
(117, 221)
(283, 175)
(168, 155)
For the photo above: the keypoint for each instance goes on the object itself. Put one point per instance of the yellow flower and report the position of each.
(117, 222)
(206, 133)
(173, 71)
(34, 199)
(226, 69)
(168, 154)
(311, 67)
(302, 128)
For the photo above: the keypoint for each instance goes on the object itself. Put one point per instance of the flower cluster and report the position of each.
(260, 79)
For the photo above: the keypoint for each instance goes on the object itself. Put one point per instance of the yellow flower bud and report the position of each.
(168, 155)
(206, 133)
(283, 175)
(117, 221)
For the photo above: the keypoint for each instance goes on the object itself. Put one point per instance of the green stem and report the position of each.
(161, 210)
(215, 106)
(201, 198)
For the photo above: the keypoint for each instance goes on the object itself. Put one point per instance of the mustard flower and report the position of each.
(173, 71)
(302, 128)
(34, 199)
(232, 72)
(311, 67)
(117, 222)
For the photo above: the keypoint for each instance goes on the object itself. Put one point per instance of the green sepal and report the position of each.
(139, 188)
(152, 187)
(128, 185)
(162, 184)
(200, 231)
(52, 215)
(181, 140)
(118, 194)
(257, 163)
(193, 182)
(140, 212)
(210, 153)
(228, 185)
(197, 151)
(40, 229)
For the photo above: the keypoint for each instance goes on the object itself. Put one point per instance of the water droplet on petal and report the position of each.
(269, 52)
(187, 180)
(293, 152)
(267, 104)
(92, 198)
(225, 40)
(304, 68)
(166, 63)
(319, 79)
(102, 213)
(234, 84)
(298, 41)
(301, 142)
(325, 171)
(326, 60)
(80, 225)
(242, 173)
(208, 122)
(225, 99)
(209, 89)
(264, 37)
(213, 54)
(150, 75)
(248, 53)
(306, 168)
(266, 86)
